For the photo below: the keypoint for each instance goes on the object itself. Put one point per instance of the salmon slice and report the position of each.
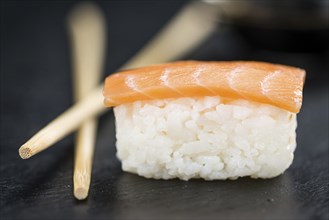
(261, 82)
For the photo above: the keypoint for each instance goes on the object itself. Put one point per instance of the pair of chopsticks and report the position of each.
(187, 29)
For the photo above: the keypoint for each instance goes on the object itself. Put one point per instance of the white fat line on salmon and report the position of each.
(164, 80)
(264, 84)
(298, 96)
(130, 82)
(231, 80)
(196, 76)
(109, 100)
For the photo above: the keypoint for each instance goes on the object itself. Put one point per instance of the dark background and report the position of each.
(36, 87)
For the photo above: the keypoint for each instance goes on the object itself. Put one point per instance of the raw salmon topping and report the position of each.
(262, 82)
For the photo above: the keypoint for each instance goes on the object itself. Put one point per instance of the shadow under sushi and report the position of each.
(134, 197)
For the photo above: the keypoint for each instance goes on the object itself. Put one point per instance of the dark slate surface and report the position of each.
(36, 87)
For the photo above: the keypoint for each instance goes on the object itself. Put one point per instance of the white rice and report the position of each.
(203, 138)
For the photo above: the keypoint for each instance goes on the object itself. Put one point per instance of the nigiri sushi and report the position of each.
(210, 120)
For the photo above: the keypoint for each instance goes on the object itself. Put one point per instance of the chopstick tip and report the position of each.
(81, 193)
(25, 152)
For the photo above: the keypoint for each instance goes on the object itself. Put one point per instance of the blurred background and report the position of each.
(36, 86)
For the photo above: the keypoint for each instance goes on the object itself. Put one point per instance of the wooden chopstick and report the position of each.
(64, 124)
(159, 50)
(87, 28)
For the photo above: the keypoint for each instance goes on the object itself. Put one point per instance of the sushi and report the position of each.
(210, 120)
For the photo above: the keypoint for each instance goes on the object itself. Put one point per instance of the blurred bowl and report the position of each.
(292, 26)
